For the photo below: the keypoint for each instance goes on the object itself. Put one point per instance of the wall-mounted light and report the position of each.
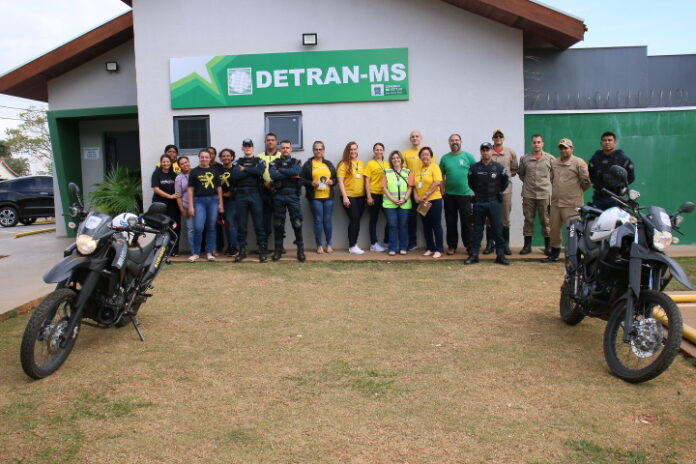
(309, 38)
(112, 66)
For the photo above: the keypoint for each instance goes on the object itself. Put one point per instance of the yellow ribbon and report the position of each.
(224, 178)
(208, 180)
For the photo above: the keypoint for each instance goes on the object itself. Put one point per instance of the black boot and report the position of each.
(527, 248)
(472, 259)
(553, 257)
(299, 242)
(277, 253)
(506, 236)
(263, 250)
(547, 246)
(501, 259)
(300, 253)
(489, 241)
(241, 255)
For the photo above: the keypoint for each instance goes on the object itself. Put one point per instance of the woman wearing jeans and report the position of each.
(229, 195)
(319, 177)
(205, 201)
(350, 180)
(397, 185)
(428, 181)
(373, 188)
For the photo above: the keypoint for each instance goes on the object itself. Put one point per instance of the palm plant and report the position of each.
(120, 192)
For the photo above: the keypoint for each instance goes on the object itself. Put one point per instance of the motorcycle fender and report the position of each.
(572, 241)
(642, 253)
(619, 233)
(64, 269)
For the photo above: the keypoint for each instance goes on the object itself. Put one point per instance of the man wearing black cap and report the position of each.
(247, 176)
(488, 180)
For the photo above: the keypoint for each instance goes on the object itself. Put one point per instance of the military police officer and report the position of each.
(535, 174)
(285, 174)
(247, 175)
(600, 163)
(488, 180)
(570, 180)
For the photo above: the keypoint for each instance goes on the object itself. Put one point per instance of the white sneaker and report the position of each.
(437, 254)
(428, 253)
(355, 250)
(376, 247)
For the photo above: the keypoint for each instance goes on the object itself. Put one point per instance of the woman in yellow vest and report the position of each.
(350, 173)
(428, 181)
(373, 188)
(397, 185)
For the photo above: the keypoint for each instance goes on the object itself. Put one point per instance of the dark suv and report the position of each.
(25, 199)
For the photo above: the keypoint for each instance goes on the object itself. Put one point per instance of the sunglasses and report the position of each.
(498, 137)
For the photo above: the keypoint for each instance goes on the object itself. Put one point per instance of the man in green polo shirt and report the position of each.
(457, 194)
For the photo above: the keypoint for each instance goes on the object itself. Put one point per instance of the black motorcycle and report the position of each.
(616, 269)
(105, 276)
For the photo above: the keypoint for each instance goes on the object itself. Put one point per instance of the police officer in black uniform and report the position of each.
(488, 180)
(247, 176)
(285, 174)
(599, 166)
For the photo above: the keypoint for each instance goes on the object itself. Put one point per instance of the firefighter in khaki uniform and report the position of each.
(570, 179)
(535, 174)
(508, 158)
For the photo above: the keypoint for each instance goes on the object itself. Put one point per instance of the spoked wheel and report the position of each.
(46, 343)
(655, 338)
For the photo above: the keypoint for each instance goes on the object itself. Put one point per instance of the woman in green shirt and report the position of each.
(397, 185)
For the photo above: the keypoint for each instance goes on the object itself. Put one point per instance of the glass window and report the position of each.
(191, 133)
(287, 126)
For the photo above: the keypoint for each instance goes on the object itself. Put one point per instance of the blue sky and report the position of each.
(31, 28)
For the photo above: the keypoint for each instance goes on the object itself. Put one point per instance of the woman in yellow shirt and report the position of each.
(373, 189)
(352, 185)
(428, 181)
(319, 178)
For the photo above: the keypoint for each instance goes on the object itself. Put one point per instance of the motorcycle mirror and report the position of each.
(157, 208)
(74, 189)
(619, 173)
(686, 207)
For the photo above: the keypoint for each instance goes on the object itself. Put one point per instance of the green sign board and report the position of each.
(289, 78)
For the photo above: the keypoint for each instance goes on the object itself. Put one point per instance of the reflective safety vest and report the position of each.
(397, 185)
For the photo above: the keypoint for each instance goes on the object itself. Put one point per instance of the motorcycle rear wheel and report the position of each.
(653, 345)
(41, 353)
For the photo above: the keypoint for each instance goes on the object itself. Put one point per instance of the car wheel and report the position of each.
(8, 216)
(27, 221)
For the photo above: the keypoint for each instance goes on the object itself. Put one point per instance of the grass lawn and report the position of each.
(345, 363)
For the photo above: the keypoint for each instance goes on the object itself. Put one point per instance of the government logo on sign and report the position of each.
(239, 81)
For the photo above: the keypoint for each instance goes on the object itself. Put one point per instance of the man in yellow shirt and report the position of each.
(414, 164)
(271, 154)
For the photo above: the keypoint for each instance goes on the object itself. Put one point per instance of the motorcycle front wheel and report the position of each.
(571, 313)
(654, 341)
(41, 352)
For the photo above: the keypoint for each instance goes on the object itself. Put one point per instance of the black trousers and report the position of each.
(354, 212)
(458, 208)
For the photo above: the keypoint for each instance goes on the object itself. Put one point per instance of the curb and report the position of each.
(22, 309)
(34, 232)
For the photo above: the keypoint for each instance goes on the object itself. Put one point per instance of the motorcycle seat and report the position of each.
(139, 254)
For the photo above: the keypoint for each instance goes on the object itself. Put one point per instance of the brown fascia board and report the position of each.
(543, 27)
(31, 80)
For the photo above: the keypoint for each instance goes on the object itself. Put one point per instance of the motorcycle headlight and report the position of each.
(85, 244)
(661, 240)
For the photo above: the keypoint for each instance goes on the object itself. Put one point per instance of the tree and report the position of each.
(31, 138)
(19, 165)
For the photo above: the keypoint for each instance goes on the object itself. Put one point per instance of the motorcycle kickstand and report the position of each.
(137, 329)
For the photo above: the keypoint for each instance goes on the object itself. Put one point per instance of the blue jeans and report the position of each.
(231, 220)
(206, 209)
(432, 226)
(189, 231)
(397, 220)
(493, 210)
(322, 210)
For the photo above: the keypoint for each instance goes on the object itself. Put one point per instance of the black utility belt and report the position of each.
(485, 199)
(287, 191)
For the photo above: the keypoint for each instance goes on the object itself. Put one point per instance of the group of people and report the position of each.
(216, 198)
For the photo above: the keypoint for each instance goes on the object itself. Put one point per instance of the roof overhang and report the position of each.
(542, 27)
(31, 80)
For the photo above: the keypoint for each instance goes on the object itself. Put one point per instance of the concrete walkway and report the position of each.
(25, 261)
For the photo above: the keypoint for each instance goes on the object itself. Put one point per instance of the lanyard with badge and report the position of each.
(420, 176)
(356, 169)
